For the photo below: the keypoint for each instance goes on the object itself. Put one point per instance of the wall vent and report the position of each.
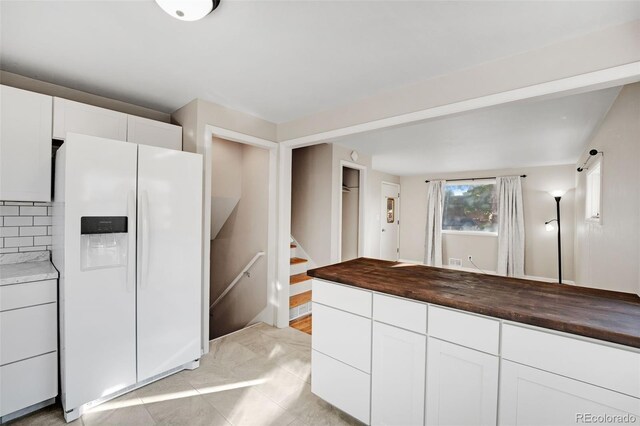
(455, 262)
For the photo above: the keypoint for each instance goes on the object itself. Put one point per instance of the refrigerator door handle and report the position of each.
(145, 238)
(131, 253)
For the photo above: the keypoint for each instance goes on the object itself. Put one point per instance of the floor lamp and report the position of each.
(557, 195)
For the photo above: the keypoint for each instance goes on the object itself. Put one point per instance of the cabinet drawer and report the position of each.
(28, 382)
(601, 365)
(467, 330)
(342, 297)
(27, 294)
(401, 313)
(28, 332)
(343, 336)
(341, 385)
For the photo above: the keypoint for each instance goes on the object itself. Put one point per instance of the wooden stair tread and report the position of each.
(303, 324)
(299, 299)
(299, 278)
(296, 260)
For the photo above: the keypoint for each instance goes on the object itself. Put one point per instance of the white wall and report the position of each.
(608, 254)
(194, 118)
(317, 178)
(539, 206)
(372, 191)
(244, 170)
(311, 200)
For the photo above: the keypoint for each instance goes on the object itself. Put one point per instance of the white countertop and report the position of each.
(36, 268)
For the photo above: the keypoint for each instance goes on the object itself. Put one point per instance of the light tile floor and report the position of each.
(258, 376)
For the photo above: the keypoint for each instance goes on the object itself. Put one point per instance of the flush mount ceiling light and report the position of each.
(188, 10)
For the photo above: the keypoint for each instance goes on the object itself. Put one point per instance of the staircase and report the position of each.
(299, 289)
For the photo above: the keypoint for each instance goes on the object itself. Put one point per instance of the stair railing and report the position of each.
(237, 279)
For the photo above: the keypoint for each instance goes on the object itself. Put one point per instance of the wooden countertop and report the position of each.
(599, 314)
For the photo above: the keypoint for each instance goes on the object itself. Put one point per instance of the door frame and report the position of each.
(608, 77)
(362, 191)
(273, 310)
(398, 214)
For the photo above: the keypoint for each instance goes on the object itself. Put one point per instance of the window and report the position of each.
(470, 207)
(593, 193)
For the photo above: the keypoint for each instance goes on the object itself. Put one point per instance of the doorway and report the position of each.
(239, 223)
(350, 213)
(390, 221)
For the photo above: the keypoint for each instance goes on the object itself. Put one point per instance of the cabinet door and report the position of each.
(529, 396)
(76, 117)
(397, 376)
(169, 259)
(155, 133)
(28, 382)
(462, 385)
(25, 145)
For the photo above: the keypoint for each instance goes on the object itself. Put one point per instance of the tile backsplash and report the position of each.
(25, 226)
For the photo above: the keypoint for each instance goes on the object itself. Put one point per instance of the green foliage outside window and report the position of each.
(470, 207)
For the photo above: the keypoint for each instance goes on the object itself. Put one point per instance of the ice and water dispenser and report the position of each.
(103, 242)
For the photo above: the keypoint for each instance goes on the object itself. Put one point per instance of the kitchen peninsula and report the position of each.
(398, 343)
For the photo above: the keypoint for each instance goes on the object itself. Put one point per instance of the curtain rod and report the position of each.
(476, 178)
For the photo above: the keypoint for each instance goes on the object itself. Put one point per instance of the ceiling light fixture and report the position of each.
(188, 10)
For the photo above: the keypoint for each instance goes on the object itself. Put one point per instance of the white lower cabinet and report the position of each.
(467, 369)
(529, 396)
(462, 385)
(341, 385)
(397, 376)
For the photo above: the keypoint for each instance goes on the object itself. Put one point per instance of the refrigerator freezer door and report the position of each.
(169, 259)
(97, 305)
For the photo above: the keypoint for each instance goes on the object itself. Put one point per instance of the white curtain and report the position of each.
(510, 227)
(433, 240)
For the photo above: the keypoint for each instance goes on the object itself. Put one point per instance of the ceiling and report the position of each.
(522, 134)
(278, 60)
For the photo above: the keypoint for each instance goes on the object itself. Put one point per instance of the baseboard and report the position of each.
(477, 271)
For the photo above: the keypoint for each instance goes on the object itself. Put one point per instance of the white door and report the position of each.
(462, 385)
(25, 145)
(397, 376)
(529, 396)
(169, 259)
(390, 221)
(95, 177)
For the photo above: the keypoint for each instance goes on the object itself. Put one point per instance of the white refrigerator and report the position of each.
(128, 245)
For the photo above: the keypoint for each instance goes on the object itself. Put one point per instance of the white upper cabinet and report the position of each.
(76, 117)
(462, 385)
(397, 376)
(156, 133)
(25, 145)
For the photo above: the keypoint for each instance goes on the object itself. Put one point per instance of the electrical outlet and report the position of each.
(470, 258)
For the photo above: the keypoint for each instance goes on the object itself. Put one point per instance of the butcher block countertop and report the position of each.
(599, 314)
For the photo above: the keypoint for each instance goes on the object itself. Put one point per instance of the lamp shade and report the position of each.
(557, 192)
(549, 226)
(188, 10)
